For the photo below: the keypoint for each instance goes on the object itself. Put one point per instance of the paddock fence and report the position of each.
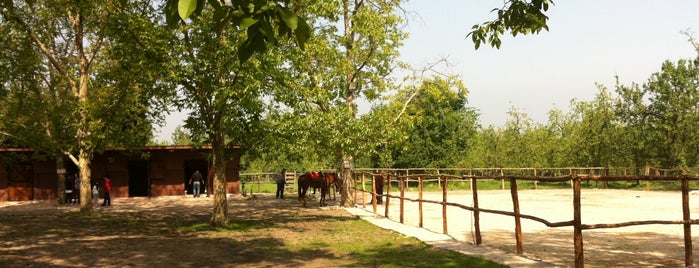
(366, 180)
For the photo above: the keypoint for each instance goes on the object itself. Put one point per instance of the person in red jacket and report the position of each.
(107, 190)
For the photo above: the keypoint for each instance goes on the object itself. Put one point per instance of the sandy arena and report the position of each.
(635, 246)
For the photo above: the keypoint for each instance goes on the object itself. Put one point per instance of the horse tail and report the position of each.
(298, 185)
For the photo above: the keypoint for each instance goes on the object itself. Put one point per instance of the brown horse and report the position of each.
(317, 180)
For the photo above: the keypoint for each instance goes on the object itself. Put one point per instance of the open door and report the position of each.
(190, 166)
(139, 181)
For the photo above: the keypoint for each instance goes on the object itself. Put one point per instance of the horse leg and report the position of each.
(323, 193)
(302, 194)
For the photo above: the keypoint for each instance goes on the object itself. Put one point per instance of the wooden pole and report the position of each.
(373, 193)
(419, 200)
(401, 186)
(388, 192)
(688, 257)
(476, 211)
(363, 189)
(355, 195)
(577, 225)
(444, 205)
(515, 208)
(502, 181)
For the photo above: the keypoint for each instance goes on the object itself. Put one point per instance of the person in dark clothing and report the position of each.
(281, 183)
(196, 182)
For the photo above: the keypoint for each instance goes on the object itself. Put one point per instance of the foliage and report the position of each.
(517, 17)
(264, 22)
(438, 124)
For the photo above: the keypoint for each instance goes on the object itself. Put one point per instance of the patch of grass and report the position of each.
(233, 226)
(262, 187)
(371, 246)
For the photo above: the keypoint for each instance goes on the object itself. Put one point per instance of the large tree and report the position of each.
(670, 112)
(441, 125)
(225, 93)
(93, 54)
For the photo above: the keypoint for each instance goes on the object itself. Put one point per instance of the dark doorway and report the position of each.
(138, 178)
(193, 165)
(20, 180)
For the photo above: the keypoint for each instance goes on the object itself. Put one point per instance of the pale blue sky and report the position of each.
(588, 41)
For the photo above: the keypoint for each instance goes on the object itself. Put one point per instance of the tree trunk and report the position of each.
(220, 216)
(61, 174)
(347, 196)
(84, 160)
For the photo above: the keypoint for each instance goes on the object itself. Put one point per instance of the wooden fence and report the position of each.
(574, 176)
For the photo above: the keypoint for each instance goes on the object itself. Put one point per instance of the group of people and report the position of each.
(73, 191)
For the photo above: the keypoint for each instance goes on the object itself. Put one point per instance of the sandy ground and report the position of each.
(635, 246)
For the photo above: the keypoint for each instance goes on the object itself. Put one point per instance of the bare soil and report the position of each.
(143, 232)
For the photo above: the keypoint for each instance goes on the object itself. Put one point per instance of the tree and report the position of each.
(83, 48)
(595, 131)
(349, 57)
(441, 127)
(224, 93)
(673, 112)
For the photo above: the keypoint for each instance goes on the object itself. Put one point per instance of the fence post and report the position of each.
(577, 224)
(419, 200)
(502, 181)
(688, 257)
(476, 212)
(388, 193)
(647, 181)
(444, 204)
(401, 186)
(515, 208)
(364, 189)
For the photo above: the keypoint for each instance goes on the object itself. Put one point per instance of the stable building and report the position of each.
(150, 171)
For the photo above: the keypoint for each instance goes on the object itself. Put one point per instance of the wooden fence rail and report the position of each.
(575, 179)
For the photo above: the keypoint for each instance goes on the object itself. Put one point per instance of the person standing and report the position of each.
(95, 194)
(107, 190)
(196, 181)
(281, 183)
(76, 189)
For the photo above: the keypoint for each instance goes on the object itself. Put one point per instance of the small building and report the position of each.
(151, 171)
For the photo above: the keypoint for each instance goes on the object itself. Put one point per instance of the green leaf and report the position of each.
(186, 8)
(289, 18)
(171, 16)
(302, 34)
(246, 22)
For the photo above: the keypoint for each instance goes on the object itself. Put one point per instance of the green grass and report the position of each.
(355, 241)
(237, 226)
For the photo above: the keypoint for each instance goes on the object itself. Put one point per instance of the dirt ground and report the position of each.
(636, 246)
(41, 234)
(38, 234)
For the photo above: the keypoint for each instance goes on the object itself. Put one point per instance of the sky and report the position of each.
(588, 42)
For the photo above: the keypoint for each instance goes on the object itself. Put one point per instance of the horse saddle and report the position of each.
(315, 175)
